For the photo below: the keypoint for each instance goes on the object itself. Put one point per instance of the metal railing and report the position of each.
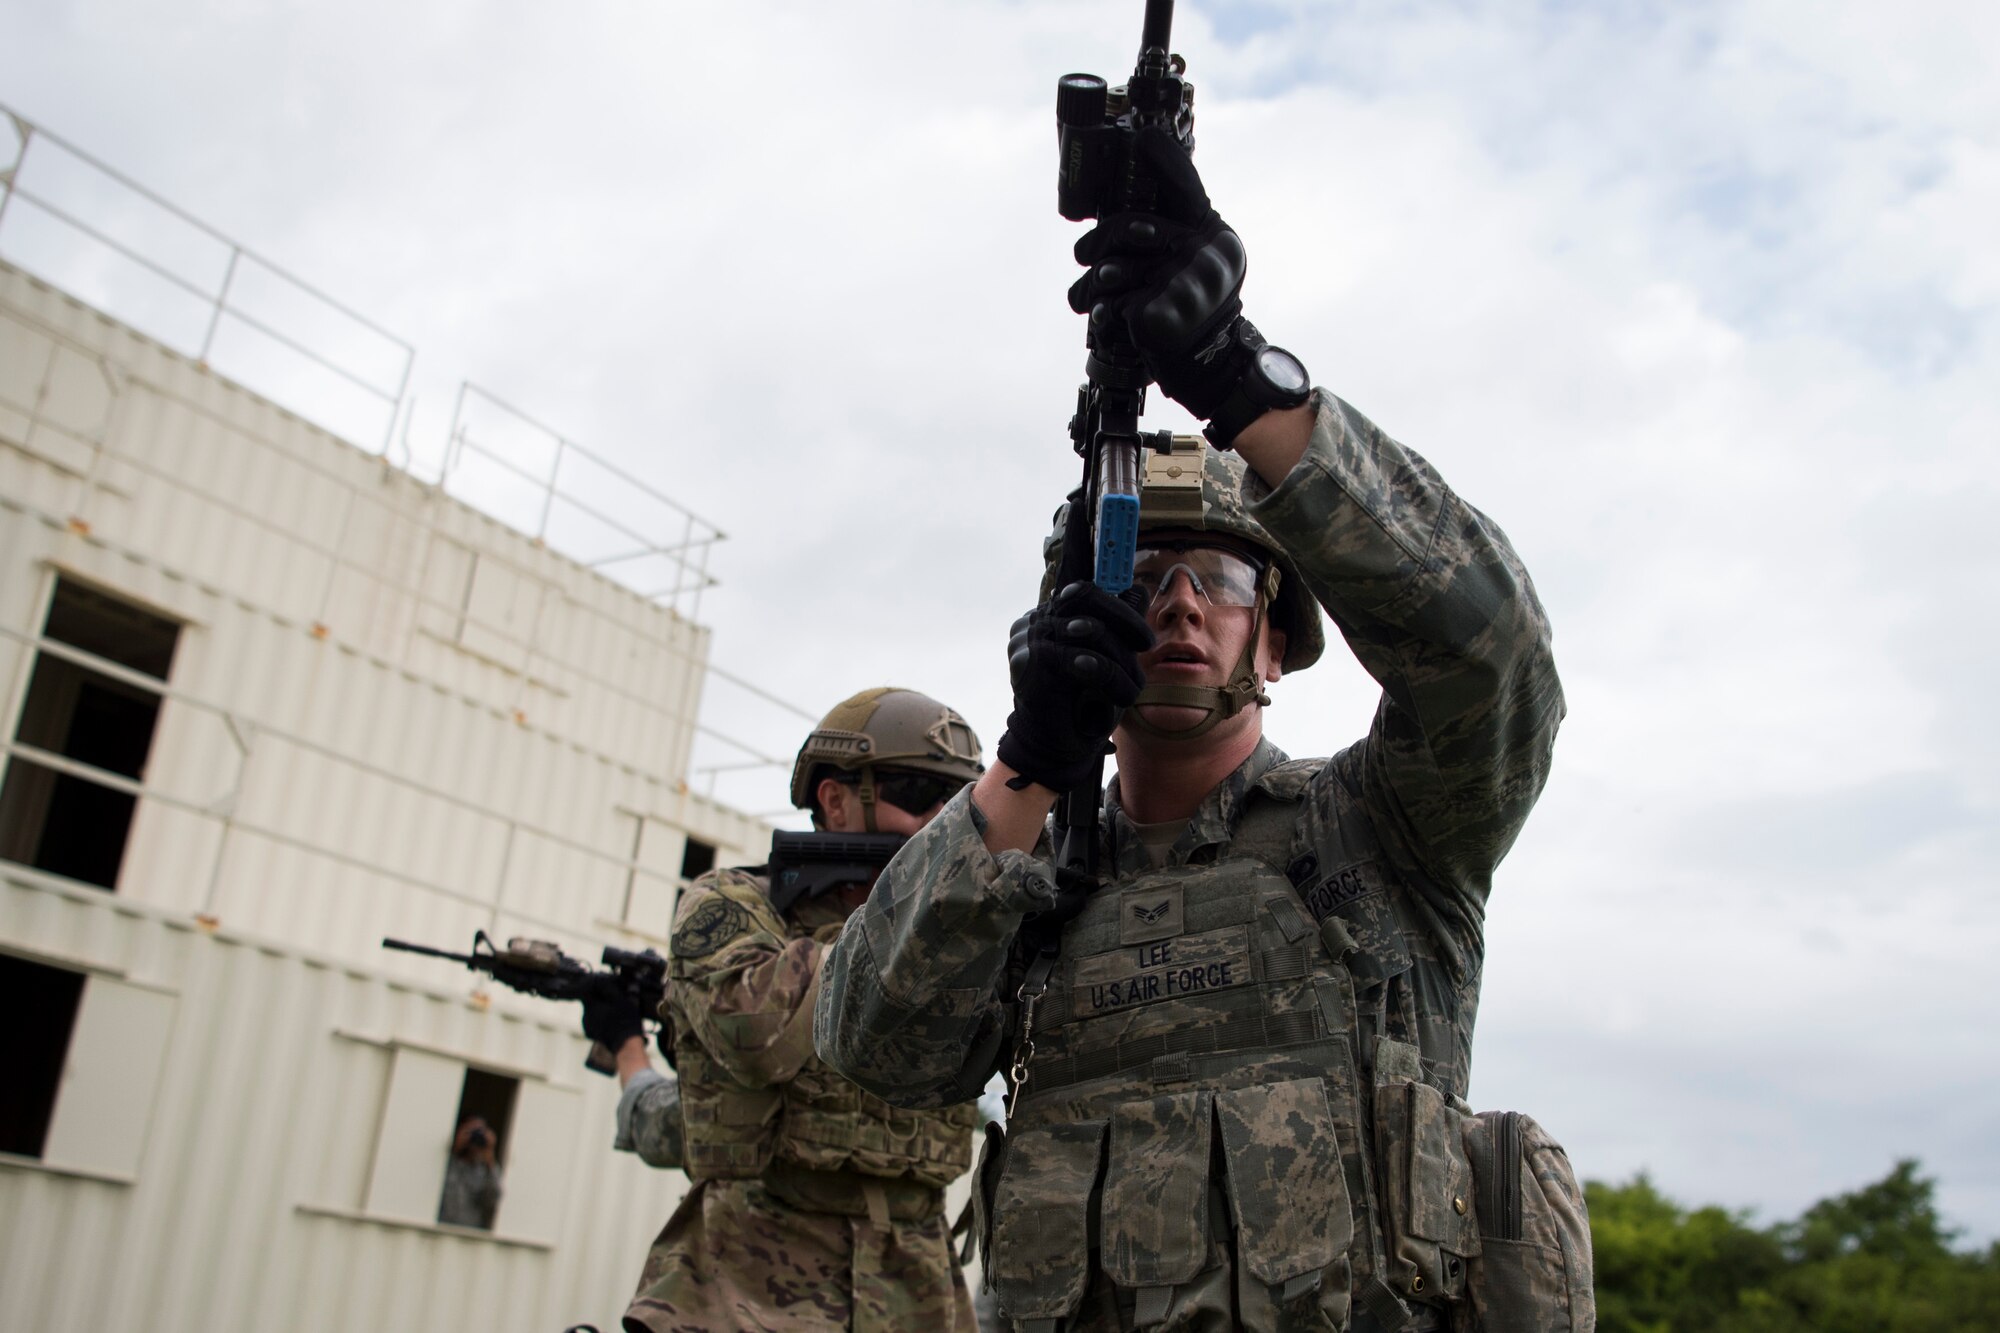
(76, 173)
(576, 502)
(672, 573)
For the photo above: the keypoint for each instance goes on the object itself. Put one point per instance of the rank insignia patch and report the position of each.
(1150, 914)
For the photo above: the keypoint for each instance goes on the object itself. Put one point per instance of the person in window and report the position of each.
(471, 1177)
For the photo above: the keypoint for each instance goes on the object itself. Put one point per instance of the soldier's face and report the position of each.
(895, 819)
(1199, 643)
(844, 813)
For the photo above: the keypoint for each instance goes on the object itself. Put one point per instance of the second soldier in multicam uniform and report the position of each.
(814, 1204)
(1239, 1068)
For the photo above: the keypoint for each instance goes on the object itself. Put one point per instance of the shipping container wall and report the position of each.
(173, 464)
(266, 700)
(248, 1136)
(387, 714)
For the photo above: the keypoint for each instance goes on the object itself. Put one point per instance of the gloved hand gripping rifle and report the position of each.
(1102, 174)
(1097, 128)
(537, 967)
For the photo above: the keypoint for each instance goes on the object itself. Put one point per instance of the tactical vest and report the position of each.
(819, 1121)
(1202, 1031)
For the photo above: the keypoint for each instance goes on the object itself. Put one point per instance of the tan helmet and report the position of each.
(886, 727)
(1199, 489)
(1194, 488)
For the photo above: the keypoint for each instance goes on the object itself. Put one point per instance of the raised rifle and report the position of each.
(1097, 130)
(1101, 173)
(538, 967)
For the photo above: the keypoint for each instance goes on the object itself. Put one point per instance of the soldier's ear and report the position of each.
(836, 801)
(1274, 650)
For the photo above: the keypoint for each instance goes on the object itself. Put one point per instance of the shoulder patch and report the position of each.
(712, 924)
(1287, 781)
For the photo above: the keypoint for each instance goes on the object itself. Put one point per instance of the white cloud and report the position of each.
(1697, 300)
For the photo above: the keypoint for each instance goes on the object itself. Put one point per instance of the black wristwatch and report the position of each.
(1272, 378)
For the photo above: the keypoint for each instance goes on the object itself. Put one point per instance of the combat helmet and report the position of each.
(886, 727)
(1194, 488)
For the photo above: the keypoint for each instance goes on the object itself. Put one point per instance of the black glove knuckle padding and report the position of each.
(1174, 276)
(1192, 299)
(1072, 674)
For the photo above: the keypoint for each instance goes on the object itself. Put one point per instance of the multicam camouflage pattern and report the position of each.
(1229, 1006)
(815, 1204)
(734, 1257)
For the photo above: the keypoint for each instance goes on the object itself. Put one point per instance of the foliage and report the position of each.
(1878, 1260)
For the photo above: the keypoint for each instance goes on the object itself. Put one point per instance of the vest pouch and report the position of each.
(1039, 1265)
(1534, 1271)
(867, 1135)
(1288, 1196)
(1426, 1182)
(1153, 1222)
(730, 1133)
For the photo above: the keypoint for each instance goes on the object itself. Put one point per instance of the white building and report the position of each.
(267, 699)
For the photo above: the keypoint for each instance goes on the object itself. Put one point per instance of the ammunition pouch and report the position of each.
(1534, 1270)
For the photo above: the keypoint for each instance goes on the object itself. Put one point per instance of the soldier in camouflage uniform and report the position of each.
(1238, 1064)
(814, 1205)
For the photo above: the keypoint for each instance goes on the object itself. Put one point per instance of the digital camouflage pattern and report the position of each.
(471, 1193)
(814, 1204)
(1268, 999)
(649, 1121)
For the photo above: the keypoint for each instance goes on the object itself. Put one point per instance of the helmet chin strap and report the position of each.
(867, 792)
(1217, 703)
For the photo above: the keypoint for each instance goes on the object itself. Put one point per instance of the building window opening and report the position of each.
(473, 1178)
(66, 823)
(697, 860)
(41, 1004)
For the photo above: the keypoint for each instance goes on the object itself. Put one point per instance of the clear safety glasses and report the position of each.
(1216, 573)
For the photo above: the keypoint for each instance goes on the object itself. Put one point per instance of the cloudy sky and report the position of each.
(1698, 300)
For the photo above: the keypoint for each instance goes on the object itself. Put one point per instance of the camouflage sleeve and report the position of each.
(1439, 610)
(912, 1007)
(743, 985)
(649, 1119)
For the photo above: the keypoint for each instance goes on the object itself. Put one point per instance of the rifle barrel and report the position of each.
(428, 951)
(1157, 33)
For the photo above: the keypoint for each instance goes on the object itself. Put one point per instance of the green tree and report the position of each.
(1663, 1269)
(1877, 1260)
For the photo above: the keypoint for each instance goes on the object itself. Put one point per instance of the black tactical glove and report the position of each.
(612, 1020)
(1174, 276)
(1075, 665)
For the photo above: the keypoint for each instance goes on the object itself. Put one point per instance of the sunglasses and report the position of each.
(916, 793)
(1218, 574)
